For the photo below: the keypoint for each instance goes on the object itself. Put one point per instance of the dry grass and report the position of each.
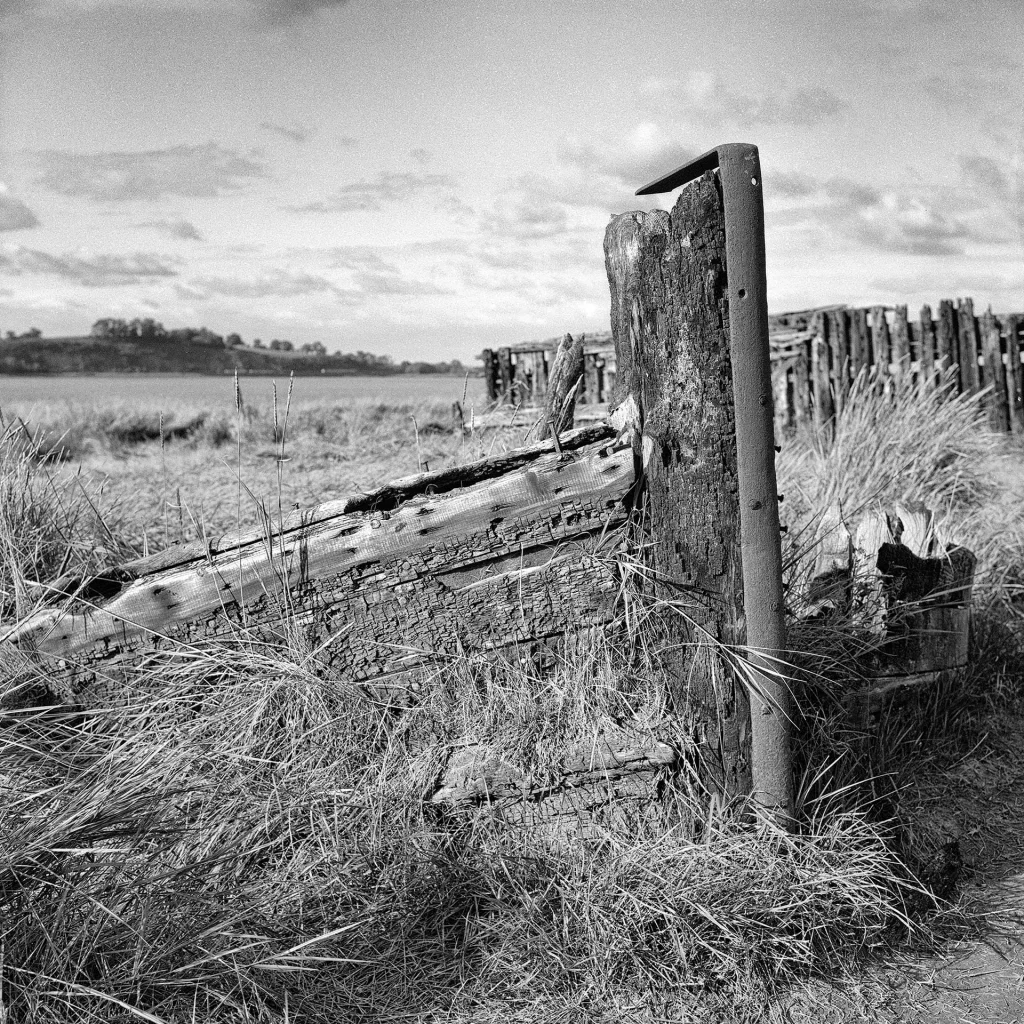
(175, 475)
(243, 837)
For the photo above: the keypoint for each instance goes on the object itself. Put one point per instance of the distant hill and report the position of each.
(93, 354)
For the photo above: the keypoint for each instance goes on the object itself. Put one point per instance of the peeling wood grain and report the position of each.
(379, 588)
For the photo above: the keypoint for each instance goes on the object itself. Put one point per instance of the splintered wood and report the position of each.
(895, 579)
(479, 558)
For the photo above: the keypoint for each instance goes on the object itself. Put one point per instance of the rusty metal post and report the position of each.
(771, 704)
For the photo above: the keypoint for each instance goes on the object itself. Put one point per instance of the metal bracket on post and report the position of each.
(771, 704)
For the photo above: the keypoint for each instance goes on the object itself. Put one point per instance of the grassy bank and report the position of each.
(243, 836)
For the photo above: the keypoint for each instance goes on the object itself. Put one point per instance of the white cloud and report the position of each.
(189, 172)
(387, 188)
(294, 133)
(92, 270)
(181, 229)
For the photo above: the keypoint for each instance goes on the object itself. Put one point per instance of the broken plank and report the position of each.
(377, 590)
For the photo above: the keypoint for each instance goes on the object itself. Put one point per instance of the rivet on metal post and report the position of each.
(739, 169)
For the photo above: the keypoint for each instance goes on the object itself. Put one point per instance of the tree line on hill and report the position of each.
(159, 339)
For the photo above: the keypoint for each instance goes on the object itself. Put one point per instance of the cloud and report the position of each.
(182, 229)
(93, 271)
(14, 214)
(187, 172)
(987, 182)
(270, 283)
(421, 156)
(370, 276)
(355, 257)
(705, 100)
(600, 173)
(373, 283)
(284, 12)
(296, 134)
(526, 211)
(617, 168)
(387, 188)
(907, 220)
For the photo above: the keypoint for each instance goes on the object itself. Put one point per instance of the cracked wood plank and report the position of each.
(423, 570)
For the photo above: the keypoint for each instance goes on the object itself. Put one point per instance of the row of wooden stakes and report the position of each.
(818, 355)
(519, 374)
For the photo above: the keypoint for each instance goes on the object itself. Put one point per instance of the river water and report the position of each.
(166, 390)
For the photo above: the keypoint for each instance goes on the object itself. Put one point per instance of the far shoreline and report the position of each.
(130, 374)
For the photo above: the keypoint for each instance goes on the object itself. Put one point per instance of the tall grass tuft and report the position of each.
(50, 522)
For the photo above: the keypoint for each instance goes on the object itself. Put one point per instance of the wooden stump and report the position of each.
(914, 599)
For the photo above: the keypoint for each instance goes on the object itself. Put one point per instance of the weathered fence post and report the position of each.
(563, 385)
(491, 374)
(506, 373)
(881, 343)
(540, 375)
(839, 333)
(1014, 374)
(591, 381)
(824, 410)
(801, 384)
(675, 389)
(926, 356)
(995, 373)
(860, 355)
(947, 346)
(700, 400)
(901, 341)
(967, 328)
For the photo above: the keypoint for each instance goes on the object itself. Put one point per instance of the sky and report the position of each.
(426, 178)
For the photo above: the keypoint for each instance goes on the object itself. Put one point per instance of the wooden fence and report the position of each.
(817, 354)
(516, 553)
(519, 374)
